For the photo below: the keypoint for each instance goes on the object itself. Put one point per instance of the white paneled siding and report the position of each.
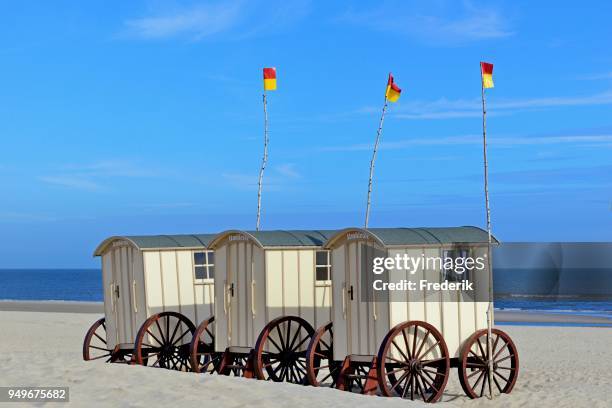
(268, 283)
(149, 282)
(359, 329)
(109, 301)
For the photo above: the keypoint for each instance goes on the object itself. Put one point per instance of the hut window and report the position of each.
(323, 266)
(204, 265)
(451, 274)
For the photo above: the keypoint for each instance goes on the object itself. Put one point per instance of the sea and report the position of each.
(576, 292)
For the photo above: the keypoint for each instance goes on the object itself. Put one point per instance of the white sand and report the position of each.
(560, 367)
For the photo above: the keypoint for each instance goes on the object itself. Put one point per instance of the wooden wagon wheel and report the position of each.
(321, 369)
(280, 351)
(413, 362)
(94, 344)
(163, 341)
(474, 367)
(202, 353)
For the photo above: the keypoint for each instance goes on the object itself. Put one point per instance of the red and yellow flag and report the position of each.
(486, 70)
(393, 91)
(269, 77)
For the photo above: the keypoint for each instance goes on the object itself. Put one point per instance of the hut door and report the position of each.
(360, 311)
(120, 294)
(237, 294)
(233, 291)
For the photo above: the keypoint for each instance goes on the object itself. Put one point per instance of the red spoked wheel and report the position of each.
(202, 353)
(321, 369)
(163, 341)
(280, 351)
(96, 348)
(413, 362)
(474, 367)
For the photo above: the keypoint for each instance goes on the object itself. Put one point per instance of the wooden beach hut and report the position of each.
(404, 342)
(152, 284)
(271, 289)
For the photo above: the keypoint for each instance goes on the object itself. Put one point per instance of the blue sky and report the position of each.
(146, 118)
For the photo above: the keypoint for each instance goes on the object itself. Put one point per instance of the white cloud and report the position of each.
(110, 168)
(468, 108)
(12, 216)
(438, 23)
(506, 141)
(73, 182)
(237, 18)
(91, 176)
(597, 77)
(197, 22)
(287, 170)
(275, 178)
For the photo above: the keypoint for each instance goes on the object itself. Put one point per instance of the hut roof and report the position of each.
(420, 236)
(197, 241)
(282, 238)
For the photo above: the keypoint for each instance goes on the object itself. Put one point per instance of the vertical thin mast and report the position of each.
(489, 242)
(378, 135)
(264, 160)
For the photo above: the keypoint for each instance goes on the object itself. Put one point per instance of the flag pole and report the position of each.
(378, 134)
(489, 242)
(264, 160)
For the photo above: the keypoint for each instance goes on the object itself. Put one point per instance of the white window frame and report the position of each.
(208, 266)
(464, 252)
(326, 282)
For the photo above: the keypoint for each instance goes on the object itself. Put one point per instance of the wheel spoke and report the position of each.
(98, 336)
(497, 384)
(414, 339)
(399, 380)
(475, 372)
(479, 378)
(174, 333)
(419, 388)
(295, 336)
(498, 353)
(282, 341)
(154, 337)
(430, 362)
(168, 328)
(161, 332)
(484, 381)
(431, 348)
(484, 354)
(274, 343)
(418, 353)
(400, 350)
(504, 359)
(297, 347)
(403, 362)
(99, 357)
(406, 344)
(182, 335)
(504, 378)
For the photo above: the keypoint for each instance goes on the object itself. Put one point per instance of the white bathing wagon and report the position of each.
(156, 288)
(271, 289)
(403, 342)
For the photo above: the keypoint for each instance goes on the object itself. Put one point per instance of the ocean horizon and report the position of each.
(514, 290)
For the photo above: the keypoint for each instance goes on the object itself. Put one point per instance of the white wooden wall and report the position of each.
(357, 331)
(170, 286)
(267, 284)
(122, 269)
(359, 326)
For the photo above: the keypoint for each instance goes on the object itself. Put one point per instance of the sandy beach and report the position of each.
(44, 349)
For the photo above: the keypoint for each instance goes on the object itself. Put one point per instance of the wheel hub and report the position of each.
(415, 365)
